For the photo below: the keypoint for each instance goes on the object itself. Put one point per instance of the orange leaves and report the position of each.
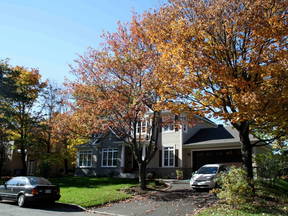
(224, 57)
(116, 85)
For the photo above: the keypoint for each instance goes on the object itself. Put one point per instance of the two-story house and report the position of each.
(186, 146)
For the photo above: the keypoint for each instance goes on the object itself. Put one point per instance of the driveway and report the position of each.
(177, 201)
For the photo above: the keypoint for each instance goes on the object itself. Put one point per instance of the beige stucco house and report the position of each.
(187, 147)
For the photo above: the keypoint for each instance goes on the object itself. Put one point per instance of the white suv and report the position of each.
(204, 177)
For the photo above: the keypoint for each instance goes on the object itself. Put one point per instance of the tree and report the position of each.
(6, 92)
(227, 59)
(20, 108)
(115, 89)
(52, 104)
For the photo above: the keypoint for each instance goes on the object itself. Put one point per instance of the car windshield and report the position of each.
(207, 170)
(38, 181)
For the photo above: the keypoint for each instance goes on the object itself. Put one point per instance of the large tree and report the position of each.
(6, 92)
(21, 109)
(115, 90)
(226, 59)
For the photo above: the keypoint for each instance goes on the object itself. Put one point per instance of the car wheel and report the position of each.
(21, 200)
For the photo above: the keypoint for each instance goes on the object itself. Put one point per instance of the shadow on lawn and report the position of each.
(90, 182)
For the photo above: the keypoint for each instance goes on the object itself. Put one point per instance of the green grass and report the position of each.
(272, 199)
(222, 210)
(87, 191)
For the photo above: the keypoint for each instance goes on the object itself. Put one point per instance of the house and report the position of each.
(12, 164)
(186, 147)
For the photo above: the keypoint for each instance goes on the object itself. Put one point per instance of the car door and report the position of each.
(8, 189)
(20, 186)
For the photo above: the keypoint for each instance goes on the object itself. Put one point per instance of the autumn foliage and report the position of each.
(115, 89)
(226, 59)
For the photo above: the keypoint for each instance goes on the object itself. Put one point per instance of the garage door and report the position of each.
(201, 158)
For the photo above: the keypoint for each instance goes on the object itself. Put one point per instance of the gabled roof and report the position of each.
(98, 138)
(216, 135)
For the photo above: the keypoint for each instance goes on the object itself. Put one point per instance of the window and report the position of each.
(12, 181)
(109, 157)
(185, 129)
(168, 127)
(141, 127)
(38, 180)
(85, 159)
(169, 158)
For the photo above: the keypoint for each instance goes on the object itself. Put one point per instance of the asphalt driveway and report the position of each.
(177, 201)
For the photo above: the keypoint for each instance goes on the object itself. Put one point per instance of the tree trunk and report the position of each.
(142, 175)
(23, 160)
(246, 150)
(65, 166)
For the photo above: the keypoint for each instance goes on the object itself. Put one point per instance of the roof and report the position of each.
(216, 135)
(98, 138)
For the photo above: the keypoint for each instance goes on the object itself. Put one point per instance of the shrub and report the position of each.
(150, 175)
(179, 174)
(234, 187)
(271, 166)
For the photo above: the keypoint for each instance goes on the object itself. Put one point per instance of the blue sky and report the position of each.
(48, 35)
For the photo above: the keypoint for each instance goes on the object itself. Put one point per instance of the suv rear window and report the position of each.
(39, 181)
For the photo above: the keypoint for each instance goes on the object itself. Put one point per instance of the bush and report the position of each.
(179, 174)
(271, 166)
(150, 175)
(234, 187)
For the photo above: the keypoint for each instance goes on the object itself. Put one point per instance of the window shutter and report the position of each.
(176, 117)
(160, 158)
(176, 157)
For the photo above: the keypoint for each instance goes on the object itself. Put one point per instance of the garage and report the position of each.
(201, 158)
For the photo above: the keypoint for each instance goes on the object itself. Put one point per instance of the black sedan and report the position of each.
(28, 189)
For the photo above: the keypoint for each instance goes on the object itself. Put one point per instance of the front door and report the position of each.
(130, 162)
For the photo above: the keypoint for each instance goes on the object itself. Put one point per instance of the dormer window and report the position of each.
(168, 127)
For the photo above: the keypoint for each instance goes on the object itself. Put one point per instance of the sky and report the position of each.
(50, 34)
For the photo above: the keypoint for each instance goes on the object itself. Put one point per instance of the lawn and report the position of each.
(271, 200)
(87, 191)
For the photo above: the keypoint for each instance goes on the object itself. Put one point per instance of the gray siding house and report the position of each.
(186, 147)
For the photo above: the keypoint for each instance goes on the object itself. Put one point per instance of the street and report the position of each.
(11, 209)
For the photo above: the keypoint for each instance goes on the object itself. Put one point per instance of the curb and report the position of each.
(74, 205)
(105, 213)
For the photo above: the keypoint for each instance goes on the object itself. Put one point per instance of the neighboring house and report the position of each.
(186, 147)
(13, 165)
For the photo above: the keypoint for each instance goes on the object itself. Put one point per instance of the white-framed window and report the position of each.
(109, 157)
(85, 159)
(168, 127)
(168, 156)
(142, 127)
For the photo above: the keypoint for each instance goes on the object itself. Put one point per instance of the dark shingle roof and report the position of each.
(220, 134)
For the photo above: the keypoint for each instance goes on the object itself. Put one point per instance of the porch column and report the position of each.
(143, 152)
(122, 160)
(180, 152)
